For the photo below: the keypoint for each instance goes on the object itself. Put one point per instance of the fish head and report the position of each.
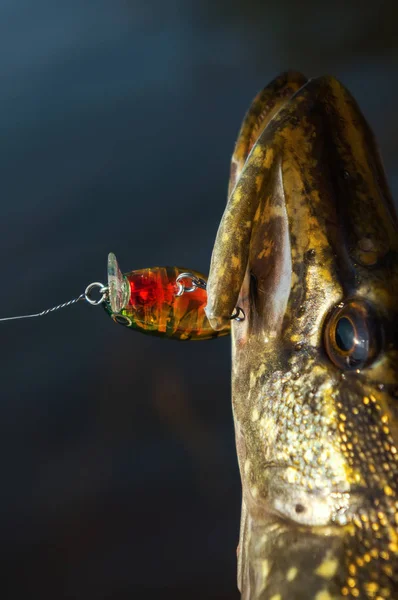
(308, 248)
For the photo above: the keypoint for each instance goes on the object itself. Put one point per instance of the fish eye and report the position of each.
(352, 335)
(122, 320)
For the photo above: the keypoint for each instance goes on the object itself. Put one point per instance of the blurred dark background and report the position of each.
(117, 121)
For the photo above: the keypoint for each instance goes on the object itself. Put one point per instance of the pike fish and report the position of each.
(308, 248)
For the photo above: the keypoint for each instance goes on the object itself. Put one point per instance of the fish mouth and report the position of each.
(286, 562)
(308, 561)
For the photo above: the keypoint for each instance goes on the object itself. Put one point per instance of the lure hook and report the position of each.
(198, 282)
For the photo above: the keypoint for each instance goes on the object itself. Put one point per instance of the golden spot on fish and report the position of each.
(235, 261)
(225, 237)
(254, 491)
(247, 466)
(393, 547)
(371, 588)
(357, 477)
(350, 529)
(269, 157)
(388, 570)
(257, 214)
(257, 151)
(255, 415)
(266, 251)
(292, 573)
(365, 518)
(327, 568)
(352, 569)
(224, 297)
(264, 568)
(291, 475)
(237, 196)
(351, 581)
(276, 597)
(319, 370)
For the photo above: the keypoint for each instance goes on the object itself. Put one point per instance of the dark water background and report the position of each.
(117, 122)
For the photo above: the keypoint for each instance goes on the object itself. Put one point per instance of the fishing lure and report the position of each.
(162, 301)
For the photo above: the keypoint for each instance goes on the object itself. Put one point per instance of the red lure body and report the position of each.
(154, 302)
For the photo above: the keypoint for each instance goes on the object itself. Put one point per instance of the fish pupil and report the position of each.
(345, 334)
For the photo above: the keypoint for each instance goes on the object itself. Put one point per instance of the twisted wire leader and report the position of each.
(103, 290)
